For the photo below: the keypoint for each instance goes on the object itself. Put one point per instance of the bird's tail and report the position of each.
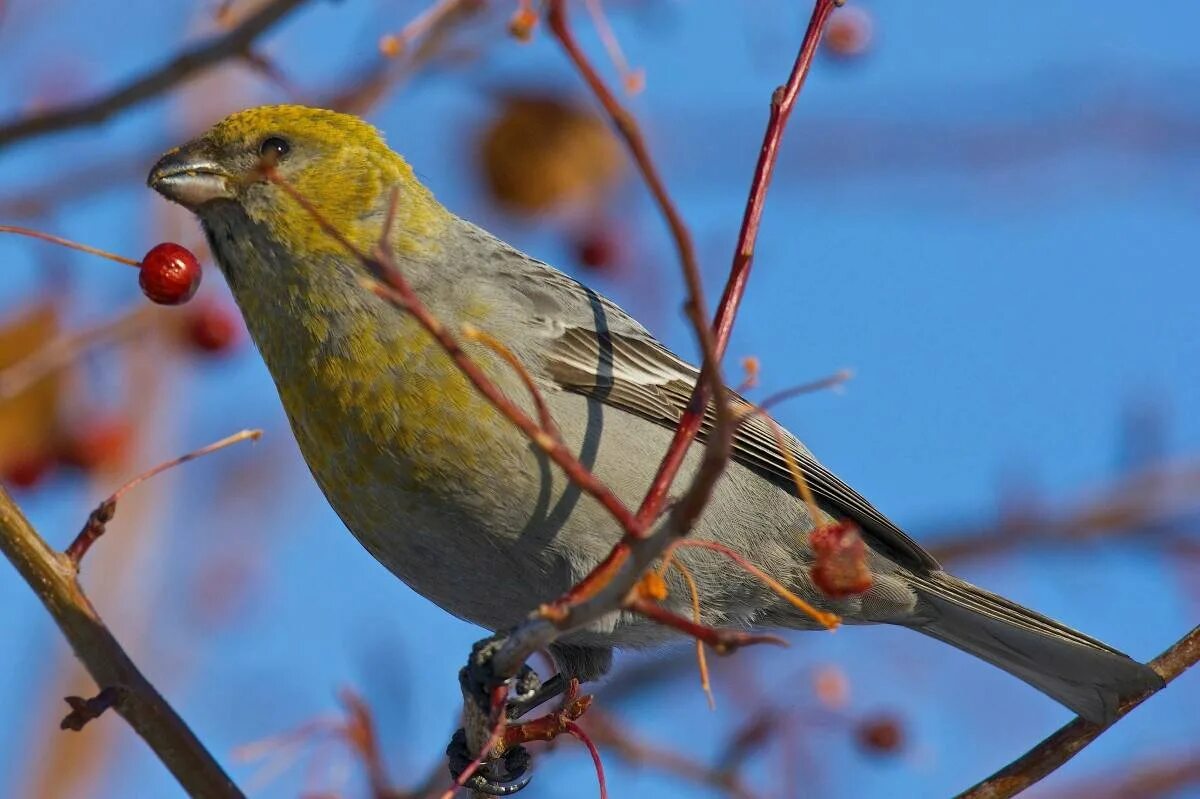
(1080, 672)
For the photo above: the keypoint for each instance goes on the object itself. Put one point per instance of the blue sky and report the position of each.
(991, 218)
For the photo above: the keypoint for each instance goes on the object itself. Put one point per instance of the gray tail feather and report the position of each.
(1082, 673)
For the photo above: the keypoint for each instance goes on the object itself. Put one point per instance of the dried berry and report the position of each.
(840, 560)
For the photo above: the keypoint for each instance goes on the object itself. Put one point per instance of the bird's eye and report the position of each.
(273, 148)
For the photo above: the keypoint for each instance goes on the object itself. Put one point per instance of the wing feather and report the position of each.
(634, 372)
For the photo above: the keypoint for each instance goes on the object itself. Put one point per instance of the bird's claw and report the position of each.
(501, 776)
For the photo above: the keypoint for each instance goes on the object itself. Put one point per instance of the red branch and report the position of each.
(710, 384)
(782, 102)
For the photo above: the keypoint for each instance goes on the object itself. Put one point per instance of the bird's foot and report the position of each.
(510, 771)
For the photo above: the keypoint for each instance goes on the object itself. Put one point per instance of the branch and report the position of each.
(1063, 745)
(51, 577)
(182, 67)
(710, 384)
(782, 102)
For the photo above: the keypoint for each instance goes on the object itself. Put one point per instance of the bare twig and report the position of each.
(184, 66)
(710, 385)
(545, 418)
(581, 734)
(1063, 745)
(84, 710)
(53, 579)
(94, 527)
(723, 642)
(74, 245)
(782, 102)
(829, 621)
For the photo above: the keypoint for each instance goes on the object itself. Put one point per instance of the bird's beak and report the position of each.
(190, 176)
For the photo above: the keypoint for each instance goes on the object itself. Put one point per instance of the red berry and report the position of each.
(97, 444)
(598, 248)
(880, 735)
(212, 328)
(849, 32)
(26, 471)
(170, 274)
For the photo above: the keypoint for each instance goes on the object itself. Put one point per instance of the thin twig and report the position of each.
(103, 513)
(782, 102)
(545, 418)
(74, 245)
(670, 561)
(184, 66)
(586, 740)
(710, 384)
(723, 642)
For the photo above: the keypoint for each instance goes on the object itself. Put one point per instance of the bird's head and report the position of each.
(337, 162)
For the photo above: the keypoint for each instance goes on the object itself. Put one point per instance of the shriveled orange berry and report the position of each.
(169, 274)
(390, 45)
(522, 24)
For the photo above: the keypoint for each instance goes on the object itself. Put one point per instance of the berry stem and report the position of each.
(74, 245)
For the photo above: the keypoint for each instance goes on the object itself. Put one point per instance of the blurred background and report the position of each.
(989, 213)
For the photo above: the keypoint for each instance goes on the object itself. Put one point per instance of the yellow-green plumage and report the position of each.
(348, 177)
(308, 320)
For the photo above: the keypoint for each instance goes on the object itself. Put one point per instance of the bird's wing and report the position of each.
(590, 346)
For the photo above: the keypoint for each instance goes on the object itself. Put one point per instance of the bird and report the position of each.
(446, 493)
